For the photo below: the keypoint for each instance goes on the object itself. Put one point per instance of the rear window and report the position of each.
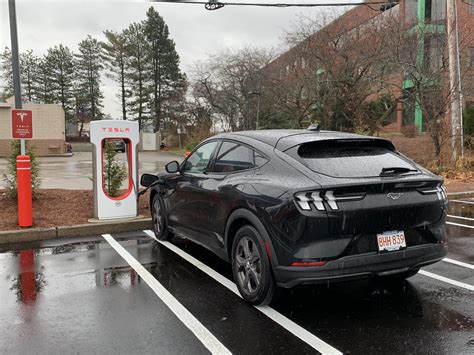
(350, 159)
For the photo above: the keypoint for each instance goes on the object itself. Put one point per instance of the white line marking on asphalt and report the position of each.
(460, 217)
(460, 201)
(201, 332)
(460, 263)
(277, 317)
(460, 225)
(445, 279)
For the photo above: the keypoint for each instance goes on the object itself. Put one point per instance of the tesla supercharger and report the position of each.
(125, 205)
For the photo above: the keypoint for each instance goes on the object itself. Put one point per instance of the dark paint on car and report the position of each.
(291, 207)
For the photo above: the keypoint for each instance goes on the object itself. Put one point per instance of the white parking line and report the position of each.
(460, 217)
(460, 263)
(201, 332)
(460, 225)
(277, 317)
(460, 201)
(445, 279)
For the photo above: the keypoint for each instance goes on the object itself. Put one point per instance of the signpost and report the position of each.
(21, 128)
(22, 124)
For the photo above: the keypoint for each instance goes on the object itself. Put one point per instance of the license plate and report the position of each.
(391, 241)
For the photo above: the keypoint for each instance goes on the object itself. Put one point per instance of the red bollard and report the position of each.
(23, 178)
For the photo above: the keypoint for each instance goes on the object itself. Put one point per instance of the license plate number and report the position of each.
(391, 241)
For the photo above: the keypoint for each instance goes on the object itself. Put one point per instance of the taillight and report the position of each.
(317, 198)
(304, 199)
(439, 190)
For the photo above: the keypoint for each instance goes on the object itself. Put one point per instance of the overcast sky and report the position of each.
(196, 31)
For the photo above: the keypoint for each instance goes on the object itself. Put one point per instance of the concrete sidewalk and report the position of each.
(75, 173)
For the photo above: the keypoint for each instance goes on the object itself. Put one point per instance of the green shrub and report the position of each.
(115, 172)
(468, 121)
(10, 176)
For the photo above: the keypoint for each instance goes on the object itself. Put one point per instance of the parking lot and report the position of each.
(128, 293)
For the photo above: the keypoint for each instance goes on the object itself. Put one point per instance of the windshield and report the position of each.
(351, 159)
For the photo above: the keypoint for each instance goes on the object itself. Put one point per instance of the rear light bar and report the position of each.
(309, 263)
(317, 199)
(440, 192)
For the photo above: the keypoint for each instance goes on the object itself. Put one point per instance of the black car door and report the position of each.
(190, 209)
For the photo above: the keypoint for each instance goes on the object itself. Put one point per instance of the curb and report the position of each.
(81, 230)
(460, 194)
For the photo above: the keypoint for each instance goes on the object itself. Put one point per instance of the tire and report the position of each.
(159, 222)
(251, 267)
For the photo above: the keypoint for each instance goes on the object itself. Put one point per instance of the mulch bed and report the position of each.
(54, 208)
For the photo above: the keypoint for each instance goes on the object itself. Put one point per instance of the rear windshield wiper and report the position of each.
(395, 170)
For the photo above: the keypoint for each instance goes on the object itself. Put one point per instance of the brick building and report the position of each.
(48, 128)
(424, 20)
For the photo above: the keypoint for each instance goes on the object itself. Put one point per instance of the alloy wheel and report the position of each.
(248, 264)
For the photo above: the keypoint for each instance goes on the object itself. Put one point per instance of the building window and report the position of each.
(435, 11)
(411, 11)
(434, 51)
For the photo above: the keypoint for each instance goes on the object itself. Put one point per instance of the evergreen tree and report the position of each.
(29, 75)
(164, 76)
(89, 65)
(6, 72)
(43, 86)
(116, 56)
(60, 66)
(136, 74)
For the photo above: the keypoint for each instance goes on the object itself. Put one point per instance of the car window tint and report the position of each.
(198, 160)
(350, 159)
(233, 157)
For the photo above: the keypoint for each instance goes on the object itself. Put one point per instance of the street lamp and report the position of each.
(258, 107)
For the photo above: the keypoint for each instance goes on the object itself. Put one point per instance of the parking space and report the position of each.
(128, 293)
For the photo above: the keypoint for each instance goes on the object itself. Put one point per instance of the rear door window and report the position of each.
(350, 159)
(233, 157)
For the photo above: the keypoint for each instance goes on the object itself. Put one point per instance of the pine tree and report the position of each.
(6, 72)
(136, 73)
(60, 64)
(116, 57)
(89, 65)
(165, 77)
(29, 75)
(43, 86)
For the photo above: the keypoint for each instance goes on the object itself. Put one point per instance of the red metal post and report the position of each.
(25, 204)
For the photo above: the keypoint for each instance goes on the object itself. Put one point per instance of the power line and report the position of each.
(215, 5)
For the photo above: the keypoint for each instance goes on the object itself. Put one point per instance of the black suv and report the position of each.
(290, 207)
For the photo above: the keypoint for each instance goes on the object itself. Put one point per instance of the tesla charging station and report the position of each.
(125, 205)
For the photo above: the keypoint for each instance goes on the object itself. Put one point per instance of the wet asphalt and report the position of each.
(81, 296)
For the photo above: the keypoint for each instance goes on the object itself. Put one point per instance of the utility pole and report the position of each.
(15, 63)
(454, 80)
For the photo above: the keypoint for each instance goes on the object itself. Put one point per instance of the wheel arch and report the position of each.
(239, 218)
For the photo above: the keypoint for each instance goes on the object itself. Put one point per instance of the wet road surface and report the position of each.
(83, 296)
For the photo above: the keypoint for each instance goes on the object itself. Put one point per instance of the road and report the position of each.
(126, 293)
(75, 173)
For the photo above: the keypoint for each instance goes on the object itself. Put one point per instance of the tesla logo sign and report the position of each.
(395, 195)
(115, 130)
(22, 124)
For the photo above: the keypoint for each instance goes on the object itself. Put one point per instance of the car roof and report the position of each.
(284, 139)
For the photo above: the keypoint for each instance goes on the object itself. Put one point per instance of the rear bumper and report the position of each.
(360, 266)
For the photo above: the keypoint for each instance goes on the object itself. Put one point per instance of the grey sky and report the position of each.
(196, 31)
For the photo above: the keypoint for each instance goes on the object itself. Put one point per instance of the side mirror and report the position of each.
(148, 179)
(172, 167)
